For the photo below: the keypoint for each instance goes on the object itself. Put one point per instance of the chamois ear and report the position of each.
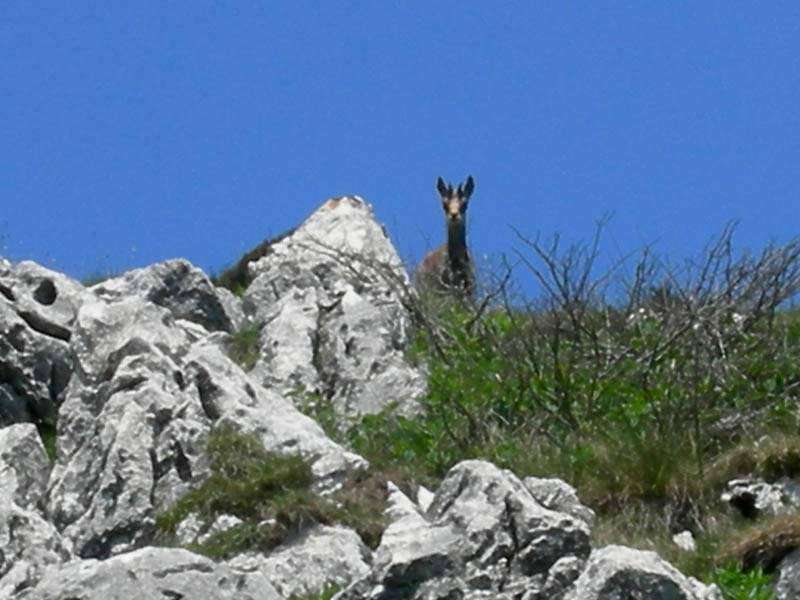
(443, 189)
(469, 185)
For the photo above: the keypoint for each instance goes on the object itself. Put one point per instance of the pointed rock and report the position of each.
(330, 296)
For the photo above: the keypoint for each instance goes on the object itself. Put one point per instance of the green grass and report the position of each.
(244, 346)
(328, 592)
(48, 434)
(272, 495)
(736, 584)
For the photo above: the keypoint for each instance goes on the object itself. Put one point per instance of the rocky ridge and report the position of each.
(135, 375)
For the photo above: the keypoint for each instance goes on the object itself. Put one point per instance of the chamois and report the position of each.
(449, 268)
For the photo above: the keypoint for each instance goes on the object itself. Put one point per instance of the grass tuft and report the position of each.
(244, 346)
(272, 495)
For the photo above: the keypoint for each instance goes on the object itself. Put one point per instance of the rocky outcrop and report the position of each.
(619, 572)
(186, 291)
(29, 544)
(787, 586)
(24, 466)
(146, 392)
(754, 498)
(37, 310)
(484, 534)
(559, 496)
(135, 373)
(487, 535)
(150, 573)
(330, 298)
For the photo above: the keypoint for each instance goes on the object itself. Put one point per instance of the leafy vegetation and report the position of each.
(645, 391)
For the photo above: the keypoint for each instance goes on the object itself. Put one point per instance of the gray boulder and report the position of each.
(24, 466)
(149, 573)
(559, 496)
(753, 497)
(484, 535)
(230, 397)
(29, 546)
(617, 573)
(37, 310)
(147, 391)
(787, 586)
(319, 557)
(186, 291)
(331, 298)
(47, 300)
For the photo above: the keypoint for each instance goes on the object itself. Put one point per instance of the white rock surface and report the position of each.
(321, 556)
(787, 585)
(150, 573)
(559, 496)
(685, 541)
(484, 533)
(620, 572)
(147, 391)
(29, 546)
(24, 466)
(37, 310)
(754, 497)
(186, 291)
(330, 298)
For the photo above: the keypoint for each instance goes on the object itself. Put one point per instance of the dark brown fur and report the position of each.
(449, 268)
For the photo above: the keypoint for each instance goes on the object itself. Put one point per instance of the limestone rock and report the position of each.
(47, 300)
(24, 466)
(147, 391)
(484, 535)
(220, 524)
(37, 310)
(685, 541)
(321, 556)
(619, 572)
(558, 495)
(149, 573)
(182, 288)
(29, 546)
(788, 579)
(231, 397)
(330, 297)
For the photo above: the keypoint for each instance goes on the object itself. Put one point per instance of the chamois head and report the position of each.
(454, 202)
(449, 267)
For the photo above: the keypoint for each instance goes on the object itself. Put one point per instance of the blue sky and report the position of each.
(137, 132)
